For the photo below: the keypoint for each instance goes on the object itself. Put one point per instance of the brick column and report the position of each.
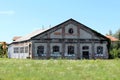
(93, 48)
(48, 47)
(33, 50)
(78, 55)
(63, 41)
(93, 51)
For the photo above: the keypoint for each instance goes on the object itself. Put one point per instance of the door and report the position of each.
(85, 55)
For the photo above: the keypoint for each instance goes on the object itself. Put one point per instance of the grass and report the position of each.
(18, 69)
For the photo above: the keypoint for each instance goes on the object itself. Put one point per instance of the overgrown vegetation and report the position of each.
(115, 46)
(3, 50)
(115, 50)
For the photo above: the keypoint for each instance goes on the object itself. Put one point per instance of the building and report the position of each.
(70, 39)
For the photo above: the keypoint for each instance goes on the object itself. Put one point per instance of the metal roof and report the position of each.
(29, 36)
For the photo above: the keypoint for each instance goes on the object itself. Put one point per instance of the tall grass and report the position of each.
(18, 69)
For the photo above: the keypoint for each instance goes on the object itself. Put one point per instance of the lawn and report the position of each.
(18, 69)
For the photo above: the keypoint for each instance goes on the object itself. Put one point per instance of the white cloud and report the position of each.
(11, 12)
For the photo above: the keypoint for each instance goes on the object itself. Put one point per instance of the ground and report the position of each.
(26, 69)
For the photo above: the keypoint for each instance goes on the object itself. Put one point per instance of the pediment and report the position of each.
(78, 31)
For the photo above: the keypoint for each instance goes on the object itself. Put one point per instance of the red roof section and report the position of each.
(112, 38)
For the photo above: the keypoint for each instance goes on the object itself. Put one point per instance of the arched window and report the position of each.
(40, 50)
(55, 48)
(85, 47)
(70, 49)
(99, 50)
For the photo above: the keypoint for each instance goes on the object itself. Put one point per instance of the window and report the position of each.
(99, 50)
(16, 50)
(85, 47)
(26, 49)
(55, 48)
(70, 31)
(70, 49)
(21, 49)
(40, 50)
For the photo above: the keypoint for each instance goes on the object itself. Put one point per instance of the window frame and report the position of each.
(71, 50)
(56, 49)
(16, 50)
(40, 49)
(22, 49)
(100, 50)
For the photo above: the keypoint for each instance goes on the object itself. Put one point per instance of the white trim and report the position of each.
(55, 54)
(66, 54)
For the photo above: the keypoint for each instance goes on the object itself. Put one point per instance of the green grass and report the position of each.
(17, 69)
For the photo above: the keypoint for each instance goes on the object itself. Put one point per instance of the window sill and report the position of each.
(99, 55)
(69, 54)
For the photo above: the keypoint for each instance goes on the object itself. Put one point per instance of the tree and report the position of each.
(110, 32)
(3, 50)
(115, 47)
(117, 34)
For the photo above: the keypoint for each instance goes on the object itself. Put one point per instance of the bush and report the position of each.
(3, 52)
(114, 53)
(119, 53)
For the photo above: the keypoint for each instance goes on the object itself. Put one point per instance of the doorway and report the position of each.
(85, 55)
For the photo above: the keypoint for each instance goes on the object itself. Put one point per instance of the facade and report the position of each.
(70, 39)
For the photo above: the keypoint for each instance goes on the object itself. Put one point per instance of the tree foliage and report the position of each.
(3, 51)
(117, 34)
(115, 47)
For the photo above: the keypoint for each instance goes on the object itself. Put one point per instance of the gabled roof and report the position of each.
(72, 20)
(38, 32)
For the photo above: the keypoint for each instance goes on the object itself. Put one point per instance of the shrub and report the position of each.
(114, 53)
(3, 52)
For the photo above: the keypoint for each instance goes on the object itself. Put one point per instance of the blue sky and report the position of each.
(20, 17)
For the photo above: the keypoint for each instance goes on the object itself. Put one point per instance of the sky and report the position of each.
(21, 17)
